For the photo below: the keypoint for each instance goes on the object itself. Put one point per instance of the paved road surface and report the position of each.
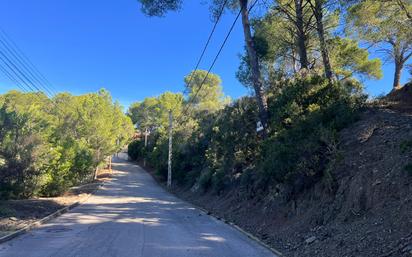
(133, 216)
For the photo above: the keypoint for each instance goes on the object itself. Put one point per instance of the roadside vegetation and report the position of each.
(214, 146)
(325, 165)
(310, 79)
(49, 145)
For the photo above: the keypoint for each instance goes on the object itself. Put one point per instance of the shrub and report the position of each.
(69, 164)
(48, 145)
(306, 115)
(205, 180)
(219, 181)
(135, 150)
(305, 119)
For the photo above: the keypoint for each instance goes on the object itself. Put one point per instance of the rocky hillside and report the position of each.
(362, 207)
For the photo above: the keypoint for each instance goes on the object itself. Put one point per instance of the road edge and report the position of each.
(49, 217)
(216, 217)
(233, 225)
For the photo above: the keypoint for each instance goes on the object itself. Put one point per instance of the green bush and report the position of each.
(48, 145)
(305, 120)
(219, 181)
(205, 180)
(224, 143)
(213, 149)
(70, 164)
(135, 150)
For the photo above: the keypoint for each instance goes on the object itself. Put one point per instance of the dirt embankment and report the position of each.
(364, 208)
(17, 214)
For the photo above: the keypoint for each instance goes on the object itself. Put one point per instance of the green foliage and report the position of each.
(205, 180)
(210, 97)
(379, 22)
(24, 129)
(348, 60)
(136, 150)
(224, 144)
(144, 113)
(386, 26)
(234, 143)
(275, 42)
(159, 7)
(216, 143)
(152, 113)
(49, 145)
(306, 117)
(190, 135)
(71, 163)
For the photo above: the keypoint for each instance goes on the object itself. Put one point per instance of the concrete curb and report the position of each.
(249, 235)
(206, 212)
(47, 218)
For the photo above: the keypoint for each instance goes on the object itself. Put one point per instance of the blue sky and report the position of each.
(82, 46)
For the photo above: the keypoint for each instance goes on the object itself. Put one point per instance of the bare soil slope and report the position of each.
(364, 208)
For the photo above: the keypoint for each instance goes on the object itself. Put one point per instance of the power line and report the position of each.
(15, 73)
(17, 76)
(24, 75)
(44, 79)
(169, 173)
(13, 69)
(11, 51)
(11, 78)
(18, 84)
(217, 56)
(208, 41)
(24, 66)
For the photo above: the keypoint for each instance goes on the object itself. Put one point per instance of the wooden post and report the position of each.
(169, 163)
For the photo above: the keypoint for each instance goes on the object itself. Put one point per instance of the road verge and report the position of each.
(51, 216)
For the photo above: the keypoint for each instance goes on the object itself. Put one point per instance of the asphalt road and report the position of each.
(133, 216)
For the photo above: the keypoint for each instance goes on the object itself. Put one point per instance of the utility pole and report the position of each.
(145, 137)
(169, 163)
(145, 145)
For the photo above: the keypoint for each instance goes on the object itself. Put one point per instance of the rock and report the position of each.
(13, 219)
(310, 240)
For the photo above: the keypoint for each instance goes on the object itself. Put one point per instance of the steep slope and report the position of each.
(362, 207)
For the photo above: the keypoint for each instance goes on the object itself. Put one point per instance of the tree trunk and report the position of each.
(405, 9)
(254, 65)
(317, 10)
(399, 61)
(301, 37)
(97, 167)
(398, 72)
